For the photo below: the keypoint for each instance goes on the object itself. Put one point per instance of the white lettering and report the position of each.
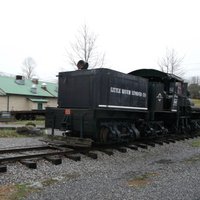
(124, 91)
(144, 94)
(127, 92)
(115, 90)
(136, 93)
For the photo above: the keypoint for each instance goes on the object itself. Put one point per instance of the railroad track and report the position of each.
(55, 150)
(28, 155)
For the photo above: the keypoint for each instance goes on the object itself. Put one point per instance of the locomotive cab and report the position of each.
(164, 89)
(168, 99)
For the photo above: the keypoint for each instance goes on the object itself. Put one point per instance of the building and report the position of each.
(18, 93)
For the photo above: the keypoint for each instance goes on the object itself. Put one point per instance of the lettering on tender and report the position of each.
(127, 92)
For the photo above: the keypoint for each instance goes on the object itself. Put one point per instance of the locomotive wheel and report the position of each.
(103, 134)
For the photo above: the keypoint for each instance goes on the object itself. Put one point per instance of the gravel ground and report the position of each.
(171, 171)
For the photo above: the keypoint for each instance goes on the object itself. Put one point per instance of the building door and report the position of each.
(40, 106)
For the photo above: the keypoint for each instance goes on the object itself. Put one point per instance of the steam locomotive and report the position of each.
(109, 106)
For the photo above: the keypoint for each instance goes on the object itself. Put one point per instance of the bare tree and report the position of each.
(28, 68)
(171, 63)
(194, 89)
(195, 80)
(85, 48)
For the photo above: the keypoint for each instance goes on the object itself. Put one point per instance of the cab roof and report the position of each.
(155, 75)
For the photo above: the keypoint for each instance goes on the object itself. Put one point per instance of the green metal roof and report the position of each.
(8, 86)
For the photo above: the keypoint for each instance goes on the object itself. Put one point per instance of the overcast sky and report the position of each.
(133, 33)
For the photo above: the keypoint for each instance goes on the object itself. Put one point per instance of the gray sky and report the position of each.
(133, 33)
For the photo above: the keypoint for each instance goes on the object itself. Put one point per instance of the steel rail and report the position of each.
(36, 155)
(25, 148)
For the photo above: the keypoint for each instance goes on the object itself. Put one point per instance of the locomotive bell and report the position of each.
(82, 64)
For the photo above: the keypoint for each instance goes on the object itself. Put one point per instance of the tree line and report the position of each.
(194, 87)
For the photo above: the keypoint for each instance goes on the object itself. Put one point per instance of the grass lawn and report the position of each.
(10, 134)
(7, 133)
(196, 102)
(13, 133)
(24, 122)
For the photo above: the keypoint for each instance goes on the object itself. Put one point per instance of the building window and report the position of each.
(40, 106)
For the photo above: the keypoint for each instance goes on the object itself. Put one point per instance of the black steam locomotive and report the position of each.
(110, 106)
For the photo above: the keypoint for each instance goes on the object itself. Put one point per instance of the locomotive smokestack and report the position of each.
(82, 65)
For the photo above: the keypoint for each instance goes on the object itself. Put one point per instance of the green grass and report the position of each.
(24, 122)
(21, 191)
(196, 143)
(196, 102)
(15, 192)
(9, 134)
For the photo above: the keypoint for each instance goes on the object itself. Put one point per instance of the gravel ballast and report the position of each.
(171, 171)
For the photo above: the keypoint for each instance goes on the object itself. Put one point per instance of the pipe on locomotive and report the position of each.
(82, 65)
